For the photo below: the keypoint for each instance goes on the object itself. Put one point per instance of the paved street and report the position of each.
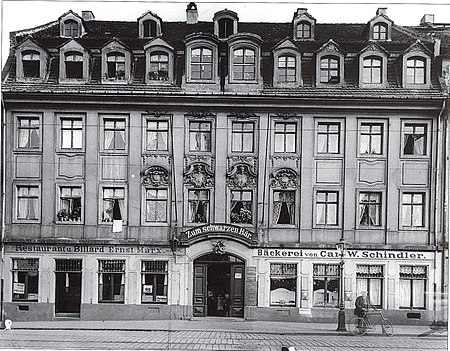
(188, 335)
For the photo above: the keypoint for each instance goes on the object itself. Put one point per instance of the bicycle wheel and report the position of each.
(387, 327)
(358, 326)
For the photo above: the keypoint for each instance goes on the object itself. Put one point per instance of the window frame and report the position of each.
(411, 287)
(114, 275)
(304, 18)
(71, 28)
(115, 118)
(154, 273)
(17, 197)
(369, 70)
(31, 47)
(18, 117)
(67, 214)
(115, 49)
(326, 277)
(373, 51)
(285, 274)
(188, 121)
(293, 216)
(411, 205)
(102, 220)
(296, 134)
(146, 200)
(244, 44)
(158, 120)
(318, 133)
(252, 206)
(71, 118)
(380, 206)
(158, 46)
(191, 64)
(369, 277)
(26, 284)
(208, 202)
(242, 132)
(326, 203)
(417, 53)
(329, 69)
(427, 135)
(377, 31)
(287, 52)
(370, 134)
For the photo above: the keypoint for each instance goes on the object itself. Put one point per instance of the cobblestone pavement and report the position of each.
(209, 340)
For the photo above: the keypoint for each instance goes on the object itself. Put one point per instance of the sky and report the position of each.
(21, 14)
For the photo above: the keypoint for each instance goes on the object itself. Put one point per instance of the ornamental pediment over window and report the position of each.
(330, 48)
(374, 49)
(284, 178)
(199, 175)
(241, 176)
(156, 176)
(417, 48)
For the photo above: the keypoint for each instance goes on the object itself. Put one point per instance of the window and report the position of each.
(369, 278)
(371, 139)
(283, 284)
(74, 65)
(287, 69)
(284, 207)
(115, 66)
(329, 70)
(241, 206)
(226, 27)
(149, 28)
(200, 136)
(112, 197)
(156, 205)
(414, 139)
(27, 203)
(71, 133)
(198, 206)
(413, 282)
(159, 67)
(111, 281)
(325, 285)
(71, 29)
(372, 70)
(154, 282)
(415, 71)
(25, 279)
(69, 204)
(244, 64)
(413, 208)
(327, 207)
(157, 135)
(303, 30)
(328, 136)
(285, 137)
(31, 62)
(369, 209)
(242, 135)
(201, 64)
(29, 132)
(114, 130)
(380, 31)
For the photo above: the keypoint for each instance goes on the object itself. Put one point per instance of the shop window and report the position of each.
(413, 210)
(27, 203)
(156, 205)
(113, 198)
(111, 281)
(244, 65)
(414, 139)
(325, 285)
(327, 208)
(159, 67)
(157, 135)
(114, 134)
(200, 136)
(198, 206)
(29, 132)
(226, 27)
(413, 282)
(284, 207)
(149, 27)
(303, 30)
(369, 278)
(285, 137)
(115, 63)
(70, 204)
(31, 62)
(71, 29)
(74, 65)
(369, 209)
(241, 207)
(154, 282)
(71, 133)
(201, 64)
(328, 138)
(380, 31)
(287, 70)
(242, 136)
(371, 139)
(25, 273)
(283, 284)
(415, 70)
(372, 70)
(329, 70)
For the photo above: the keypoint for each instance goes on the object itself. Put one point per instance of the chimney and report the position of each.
(427, 19)
(191, 13)
(301, 11)
(382, 11)
(87, 15)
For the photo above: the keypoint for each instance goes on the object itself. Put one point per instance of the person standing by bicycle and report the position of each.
(361, 305)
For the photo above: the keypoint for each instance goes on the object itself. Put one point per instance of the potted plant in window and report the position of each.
(62, 215)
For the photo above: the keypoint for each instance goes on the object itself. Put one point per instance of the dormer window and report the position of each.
(159, 66)
(380, 27)
(372, 70)
(287, 69)
(71, 25)
(415, 70)
(201, 63)
(287, 65)
(329, 70)
(416, 67)
(31, 62)
(149, 27)
(244, 64)
(71, 29)
(74, 65)
(225, 27)
(373, 67)
(380, 31)
(115, 66)
(329, 65)
(225, 23)
(304, 30)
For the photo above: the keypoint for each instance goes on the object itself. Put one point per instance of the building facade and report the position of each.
(189, 169)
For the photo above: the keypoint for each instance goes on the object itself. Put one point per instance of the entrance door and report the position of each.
(68, 287)
(218, 286)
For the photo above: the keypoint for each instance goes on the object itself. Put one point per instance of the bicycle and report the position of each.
(362, 325)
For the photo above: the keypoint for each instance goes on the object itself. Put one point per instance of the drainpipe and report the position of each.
(3, 207)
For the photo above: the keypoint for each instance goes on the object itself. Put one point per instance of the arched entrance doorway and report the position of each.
(219, 286)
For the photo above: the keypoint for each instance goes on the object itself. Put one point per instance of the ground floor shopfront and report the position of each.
(218, 275)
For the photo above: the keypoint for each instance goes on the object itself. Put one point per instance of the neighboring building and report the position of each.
(176, 169)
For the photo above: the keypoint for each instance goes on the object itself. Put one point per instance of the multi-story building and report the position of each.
(175, 169)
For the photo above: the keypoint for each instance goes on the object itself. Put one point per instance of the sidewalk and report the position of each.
(219, 325)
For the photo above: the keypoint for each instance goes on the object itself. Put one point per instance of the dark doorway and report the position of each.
(68, 287)
(219, 286)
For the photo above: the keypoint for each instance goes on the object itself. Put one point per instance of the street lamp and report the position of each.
(341, 248)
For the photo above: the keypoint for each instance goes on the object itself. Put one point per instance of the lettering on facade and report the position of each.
(87, 249)
(221, 228)
(375, 254)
